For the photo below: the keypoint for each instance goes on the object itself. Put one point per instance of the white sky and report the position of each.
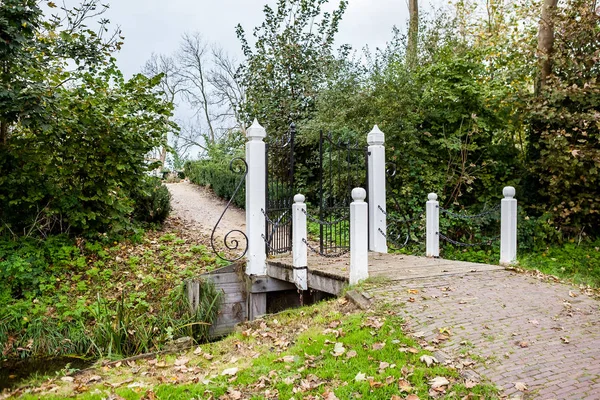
(157, 25)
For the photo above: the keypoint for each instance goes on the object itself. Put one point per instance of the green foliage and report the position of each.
(577, 262)
(291, 58)
(152, 201)
(565, 128)
(219, 177)
(71, 156)
(66, 296)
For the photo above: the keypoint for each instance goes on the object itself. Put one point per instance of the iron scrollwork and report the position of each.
(238, 166)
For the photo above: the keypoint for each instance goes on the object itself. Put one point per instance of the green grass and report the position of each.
(577, 262)
(307, 366)
(65, 296)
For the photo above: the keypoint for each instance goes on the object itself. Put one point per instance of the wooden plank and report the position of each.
(257, 306)
(227, 277)
(263, 284)
(326, 284)
(280, 271)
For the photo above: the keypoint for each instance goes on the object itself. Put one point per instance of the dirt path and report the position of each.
(201, 208)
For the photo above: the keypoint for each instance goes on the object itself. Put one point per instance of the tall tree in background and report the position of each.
(171, 85)
(289, 63)
(413, 33)
(545, 43)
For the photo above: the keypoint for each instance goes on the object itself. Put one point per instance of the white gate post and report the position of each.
(377, 218)
(255, 200)
(359, 243)
(432, 211)
(299, 248)
(508, 227)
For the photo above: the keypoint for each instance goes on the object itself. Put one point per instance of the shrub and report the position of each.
(219, 177)
(152, 201)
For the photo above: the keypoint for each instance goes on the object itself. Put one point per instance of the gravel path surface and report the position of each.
(199, 206)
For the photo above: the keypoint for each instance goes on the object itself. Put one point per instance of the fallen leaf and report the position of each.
(383, 365)
(412, 397)
(564, 340)
(182, 361)
(198, 350)
(438, 382)
(338, 349)
(573, 294)
(360, 377)
(378, 345)
(404, 386)
(429, 360)
(520, 386)
(208, 356)
(67, 379)
(533, 321)
(524, 344)
(374, 384)
(230, 371)
(351, 354)
(469, 384)
(413, 291)
(329, 396)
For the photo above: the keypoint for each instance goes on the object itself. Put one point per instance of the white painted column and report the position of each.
(432, 211)
(377, 218)
(508, 227)
(255, 200)
(359, 242)
(299, 248)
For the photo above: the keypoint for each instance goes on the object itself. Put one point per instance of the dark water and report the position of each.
(14, 371)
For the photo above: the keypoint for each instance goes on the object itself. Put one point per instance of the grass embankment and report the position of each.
(325, 351)
(575, 262)
(64, 296)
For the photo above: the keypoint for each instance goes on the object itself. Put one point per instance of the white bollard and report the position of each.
(508, 227)
(299, 248)
(377, 218)
(359, 241)
(255, 200)
(432, 211)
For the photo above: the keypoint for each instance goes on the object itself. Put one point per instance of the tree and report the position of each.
(545, 42)
(413, 33)
(76, 135)
(290, 61)
(171, 85)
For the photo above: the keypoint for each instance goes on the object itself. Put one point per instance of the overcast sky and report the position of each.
(157, 25)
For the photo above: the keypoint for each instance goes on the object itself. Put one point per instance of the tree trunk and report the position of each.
(545, 43)
(413, 33)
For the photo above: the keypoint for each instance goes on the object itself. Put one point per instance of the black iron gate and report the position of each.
(342, 166)
(279, 153)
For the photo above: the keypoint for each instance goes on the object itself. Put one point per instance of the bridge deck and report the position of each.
(331, 274)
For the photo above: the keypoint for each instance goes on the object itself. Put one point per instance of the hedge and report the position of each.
(218, 177)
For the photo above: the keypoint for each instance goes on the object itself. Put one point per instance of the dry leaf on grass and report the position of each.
(404, 386)
(438, 381)
(429, 360)
(230, 371)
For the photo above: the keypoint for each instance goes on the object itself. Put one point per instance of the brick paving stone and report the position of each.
(515, 323)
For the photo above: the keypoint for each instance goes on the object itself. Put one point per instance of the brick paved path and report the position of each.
(520, 329)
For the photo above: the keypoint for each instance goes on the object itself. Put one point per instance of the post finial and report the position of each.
(299, 198)
(509, 192)
(375, 137)
(432, 197)
(359, 194)
(256, 131)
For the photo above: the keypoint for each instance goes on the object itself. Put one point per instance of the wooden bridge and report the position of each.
(246, 298)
